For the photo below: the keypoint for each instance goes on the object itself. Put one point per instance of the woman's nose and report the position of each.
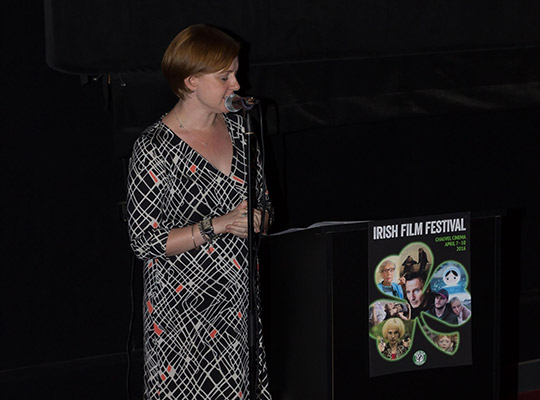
(235, 85)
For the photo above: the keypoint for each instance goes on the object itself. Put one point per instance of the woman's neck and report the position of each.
(194, 118)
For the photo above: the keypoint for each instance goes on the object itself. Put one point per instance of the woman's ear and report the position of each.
(192, 82)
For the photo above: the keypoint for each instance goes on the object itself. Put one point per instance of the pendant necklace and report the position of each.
(187, 130)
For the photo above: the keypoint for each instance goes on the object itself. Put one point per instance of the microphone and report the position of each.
(234, 103)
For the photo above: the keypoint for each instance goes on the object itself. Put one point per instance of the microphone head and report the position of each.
(234, 103)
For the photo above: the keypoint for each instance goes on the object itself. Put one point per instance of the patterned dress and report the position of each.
(196, 303)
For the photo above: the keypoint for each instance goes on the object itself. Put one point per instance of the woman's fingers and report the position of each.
(239, 226)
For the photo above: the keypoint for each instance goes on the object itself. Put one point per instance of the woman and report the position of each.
(188, 222)
(462, 312)
(393, 347)
(397, 310)
(387, 284)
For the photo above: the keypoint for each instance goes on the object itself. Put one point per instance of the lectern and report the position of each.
(315, 315)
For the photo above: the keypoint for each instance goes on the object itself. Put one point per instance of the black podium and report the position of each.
(315, 313)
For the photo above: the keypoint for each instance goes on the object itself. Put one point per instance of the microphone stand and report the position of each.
(252, 310)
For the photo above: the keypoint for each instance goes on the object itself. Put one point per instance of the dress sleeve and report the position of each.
(146, 185)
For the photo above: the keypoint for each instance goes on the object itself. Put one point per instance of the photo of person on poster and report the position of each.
(388, 284)
(415, 257)
(381, 311)
(417, 296)
(408, 265)
(400, 310)
(423, 259)
(446, 343)
(462, 312)
(454, 306)
(441, 308)
(393, 344)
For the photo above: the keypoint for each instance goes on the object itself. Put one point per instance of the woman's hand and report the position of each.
(380, 344)
(236, 221)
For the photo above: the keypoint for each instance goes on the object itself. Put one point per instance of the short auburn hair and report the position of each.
(198, 49)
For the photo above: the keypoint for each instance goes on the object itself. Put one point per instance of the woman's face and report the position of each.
(456, 307)
(212, 89)
(393, 335)
(388, 274)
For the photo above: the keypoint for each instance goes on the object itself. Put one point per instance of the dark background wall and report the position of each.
(382, 110)
(66, 266)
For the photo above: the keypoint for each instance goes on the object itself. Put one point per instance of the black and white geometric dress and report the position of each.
(196, 303)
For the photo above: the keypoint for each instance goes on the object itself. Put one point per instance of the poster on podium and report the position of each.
(419, 293)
